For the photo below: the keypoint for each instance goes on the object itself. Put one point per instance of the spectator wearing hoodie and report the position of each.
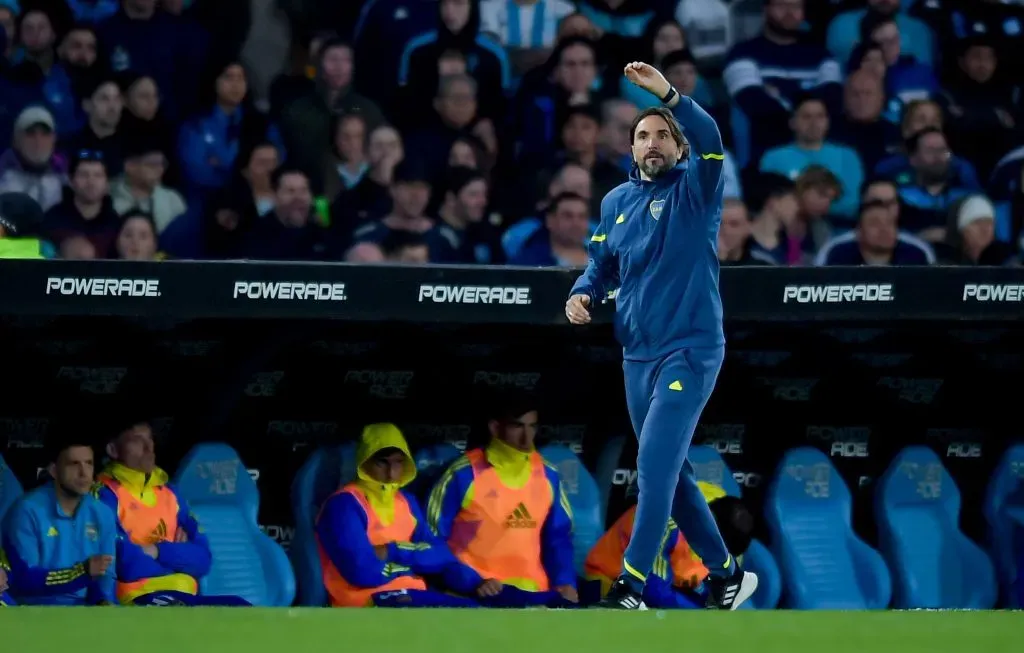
(86, 209)
(458, 29)
(247, 199)
(78, 51)
(380, 35)
(562, 241)
(171, 49)
(462, 235)
(306, 123)
(31, 165)
(209, 143)
(289, 233)
(103, 104)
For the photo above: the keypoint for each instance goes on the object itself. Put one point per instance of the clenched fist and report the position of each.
(577, 309)
(648, 78)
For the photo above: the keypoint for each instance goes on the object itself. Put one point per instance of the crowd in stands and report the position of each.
(497, 530)
(487, 131)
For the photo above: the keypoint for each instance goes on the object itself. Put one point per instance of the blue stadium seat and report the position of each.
(246, 562)
(10, 488)
(1004, 514)
(607, 463)
(824, 564)
(933, 564)
(584, 498)
(325, 471)
(430, 464)
(710, 468)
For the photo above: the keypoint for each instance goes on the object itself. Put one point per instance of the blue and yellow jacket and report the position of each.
(658, 245)
(5, 567)
(343, 523)
(455, 491)
(47, 550)
(178, 565)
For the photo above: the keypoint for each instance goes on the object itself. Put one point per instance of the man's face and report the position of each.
(7, 23)
(785, 207)
(472, 200)
(735, 228)
(816, 201)
(931, 160)
(457, 104)
(410, 198)
(137, 240)
(338, 67)
(518, 433)
(864, 97)
(979, 63)
(615, 131)
(654, 149)
(580, 134)
(146, 171)
(36, 144)
(36, 32)
(350, 139)
(294, 200)
(785, 15)
(883, 193)
(924, 116)
(79, 48)
(135, 449)
(385, 145)
(73, 471)
(810, 122)
(462, 155)
(105, 106)
(412, 255)
(573, 179)
(262, 163)
(683, 76)
(569, 223)
(90, 182)
(576, 70)
(887, 36)
(668, 39)
(455, 14)
(877, 231)
(232, 85)
(144, 99)
(386, 468)
(451, 64)
(979, 234)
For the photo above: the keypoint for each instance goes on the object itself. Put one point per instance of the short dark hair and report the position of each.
(398, 239)
(283, 171)
(665, 114)
(871, 21)
(85, 156)
(809, 96)
(458, 177)
(914, 140)
(874, 181)
(557, 200)
(865, 207)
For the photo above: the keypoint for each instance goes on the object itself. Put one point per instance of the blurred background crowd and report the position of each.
(487, 131)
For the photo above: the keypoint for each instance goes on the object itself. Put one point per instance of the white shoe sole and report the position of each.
(747, 588)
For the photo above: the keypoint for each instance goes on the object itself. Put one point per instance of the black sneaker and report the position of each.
(731, 592)
(622, 597)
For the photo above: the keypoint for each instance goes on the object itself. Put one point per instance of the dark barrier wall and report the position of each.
(278, 359)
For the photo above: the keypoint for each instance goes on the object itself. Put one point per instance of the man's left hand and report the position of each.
(648, 78)
(382, 551)
(568, 593)
(181, 536)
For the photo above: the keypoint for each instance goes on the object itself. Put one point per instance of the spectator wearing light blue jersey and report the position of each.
(767, 74)
(810, 125)
(843, 31)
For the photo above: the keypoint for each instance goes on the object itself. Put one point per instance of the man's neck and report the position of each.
(138, 191)
(449, 217)
(102, 131)
(68, 502)
(733, 255)
(89, 210)
(778, 38)
(353, 166)
(811, 146)
(587, 158)
(227, 109)
(875, 257)
(572, 253)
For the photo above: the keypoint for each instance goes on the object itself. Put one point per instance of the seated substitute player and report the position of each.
(162, 552)
(505, 516)
(375, 546)
(59, 540)
(678, 574)
(5, 596)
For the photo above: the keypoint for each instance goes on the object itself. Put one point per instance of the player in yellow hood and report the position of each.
(375, 546)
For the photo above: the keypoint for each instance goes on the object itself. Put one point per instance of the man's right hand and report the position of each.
(97, 565)
(490, 587)
(577, 309)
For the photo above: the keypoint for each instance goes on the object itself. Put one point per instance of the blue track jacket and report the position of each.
(658, 244)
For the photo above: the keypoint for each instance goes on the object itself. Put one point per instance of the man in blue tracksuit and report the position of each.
(657, 244)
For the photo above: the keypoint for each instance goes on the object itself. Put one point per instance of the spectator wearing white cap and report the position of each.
(971, 235)
(30, 166)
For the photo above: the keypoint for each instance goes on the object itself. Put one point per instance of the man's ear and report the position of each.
(111, 450)
(51, 469)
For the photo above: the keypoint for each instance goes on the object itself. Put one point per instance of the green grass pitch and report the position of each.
(193, 630)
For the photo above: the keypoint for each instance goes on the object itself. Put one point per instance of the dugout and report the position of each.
(277, 360)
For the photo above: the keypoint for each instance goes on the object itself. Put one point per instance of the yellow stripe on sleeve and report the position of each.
(436, 501)
(716, 157)
(598, 238)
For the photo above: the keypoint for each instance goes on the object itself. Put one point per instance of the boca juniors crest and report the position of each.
(656, 208)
